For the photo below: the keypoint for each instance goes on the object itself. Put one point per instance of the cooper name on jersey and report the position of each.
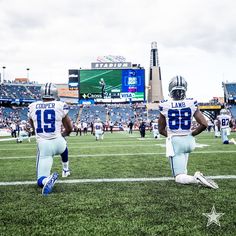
(50, 105)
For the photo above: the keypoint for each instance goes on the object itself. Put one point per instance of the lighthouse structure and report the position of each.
(155, 92)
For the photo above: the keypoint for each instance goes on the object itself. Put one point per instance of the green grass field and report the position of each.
(117, 208)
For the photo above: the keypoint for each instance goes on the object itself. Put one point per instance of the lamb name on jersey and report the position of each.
(178, 115)
(47, 117)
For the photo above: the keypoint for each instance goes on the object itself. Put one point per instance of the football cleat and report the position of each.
(65, 173)
(232, 140)
(47, 188)
(201, 179)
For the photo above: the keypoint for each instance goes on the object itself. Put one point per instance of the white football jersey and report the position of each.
(47, 118)
(224, 120)
(154, 126)
(179, 115)
(98, 126)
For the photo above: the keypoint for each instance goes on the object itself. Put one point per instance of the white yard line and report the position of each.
(120, 154)
(113, 180)
(89, 147)
(88, 155)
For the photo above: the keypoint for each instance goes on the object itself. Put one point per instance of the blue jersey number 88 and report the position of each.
(48, 119)
(179, 119)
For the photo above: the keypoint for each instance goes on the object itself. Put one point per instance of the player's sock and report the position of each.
(41, 181)
(65, 165)
(64, 155)
(185, 179)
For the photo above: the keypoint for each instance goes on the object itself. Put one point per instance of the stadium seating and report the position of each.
(74, 112)
(117, 113)
(231, 89)
(90, 112)
(233, 111)
(19, 91)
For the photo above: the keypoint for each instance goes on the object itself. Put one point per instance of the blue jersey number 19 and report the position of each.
(48, 118)
(179, 118)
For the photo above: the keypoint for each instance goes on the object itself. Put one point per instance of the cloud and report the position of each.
(196, 38)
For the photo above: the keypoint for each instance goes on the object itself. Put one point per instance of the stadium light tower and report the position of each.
(155, 93)
(28, 69)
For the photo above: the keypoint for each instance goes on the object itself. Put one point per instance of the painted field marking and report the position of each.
(113, 180)
(88, 147)
(121, 154)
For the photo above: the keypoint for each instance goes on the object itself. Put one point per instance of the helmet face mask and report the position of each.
(178, 94)
(49, 91)
(177, 88)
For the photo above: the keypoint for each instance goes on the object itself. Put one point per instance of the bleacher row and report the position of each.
(231, 89)
(117, 113)
(19, 91)
(120, 113)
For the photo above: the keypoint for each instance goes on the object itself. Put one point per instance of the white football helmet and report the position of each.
(223, 111)
(178, 87)
(49, 90)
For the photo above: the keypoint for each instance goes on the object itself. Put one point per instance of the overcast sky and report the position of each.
(195, 38)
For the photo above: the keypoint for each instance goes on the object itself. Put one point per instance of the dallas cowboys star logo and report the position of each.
(213, 217)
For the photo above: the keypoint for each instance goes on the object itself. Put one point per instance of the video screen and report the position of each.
(105, 84)
(73, 83)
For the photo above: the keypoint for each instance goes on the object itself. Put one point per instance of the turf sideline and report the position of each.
(116, 180)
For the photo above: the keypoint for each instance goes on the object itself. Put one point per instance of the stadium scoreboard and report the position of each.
(108, 85)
